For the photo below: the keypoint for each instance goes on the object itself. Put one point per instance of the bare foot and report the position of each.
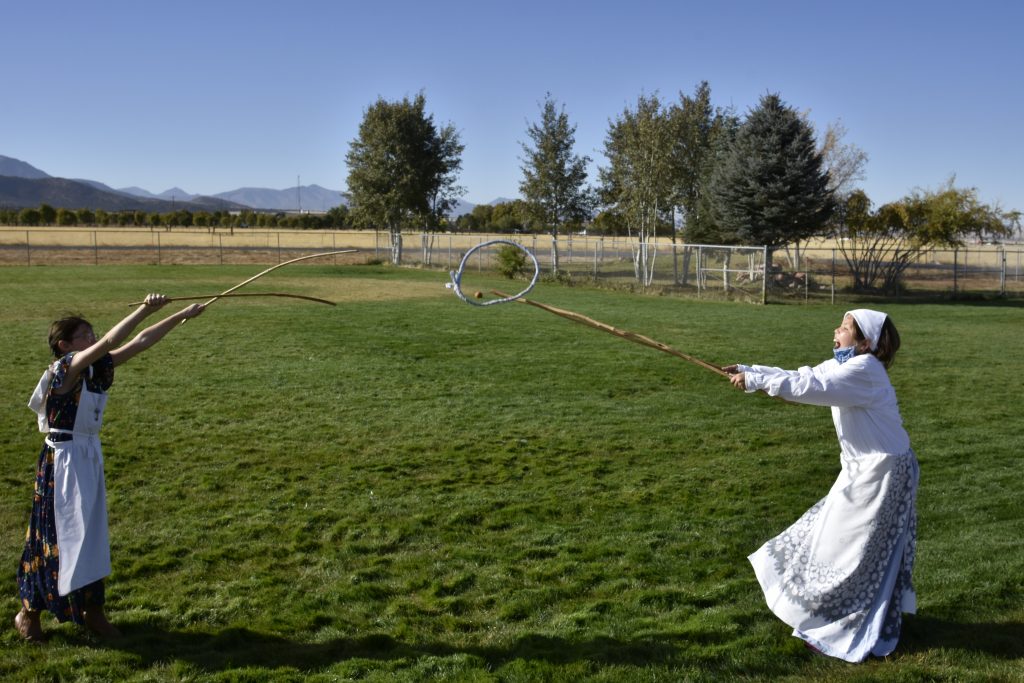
(96, 621)
(28, 626)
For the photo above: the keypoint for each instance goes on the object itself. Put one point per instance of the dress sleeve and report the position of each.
(827, 384)
(102, 376)
(60, 371)
(103, 371)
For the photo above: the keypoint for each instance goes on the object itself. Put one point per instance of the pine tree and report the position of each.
(771, 188)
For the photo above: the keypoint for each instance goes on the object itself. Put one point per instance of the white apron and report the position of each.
(80, 495)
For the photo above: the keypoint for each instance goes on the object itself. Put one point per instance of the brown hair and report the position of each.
(63, 330)
(888, 342)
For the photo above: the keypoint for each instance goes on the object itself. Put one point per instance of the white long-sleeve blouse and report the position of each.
(864, 408)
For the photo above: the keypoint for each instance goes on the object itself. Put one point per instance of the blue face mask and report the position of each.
(844, 354)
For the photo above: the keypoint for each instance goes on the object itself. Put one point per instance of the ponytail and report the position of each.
(62, 330)
(888, 343)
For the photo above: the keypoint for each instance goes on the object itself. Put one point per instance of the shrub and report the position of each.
(511, 261)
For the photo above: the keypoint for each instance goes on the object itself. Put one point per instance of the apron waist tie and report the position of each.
(58, 435)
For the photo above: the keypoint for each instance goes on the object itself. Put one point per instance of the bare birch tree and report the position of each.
(638, 183)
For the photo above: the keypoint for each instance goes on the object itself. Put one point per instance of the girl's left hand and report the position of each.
(738, 380)
(192, 311)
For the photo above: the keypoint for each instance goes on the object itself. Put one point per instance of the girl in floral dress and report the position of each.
(841, 575)
(67, 550)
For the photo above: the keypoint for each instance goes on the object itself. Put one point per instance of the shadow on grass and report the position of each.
(241, 647)
(923, 632)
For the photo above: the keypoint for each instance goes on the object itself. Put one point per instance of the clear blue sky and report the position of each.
(215, 95)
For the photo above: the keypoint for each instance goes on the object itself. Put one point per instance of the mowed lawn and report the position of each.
(405, 487)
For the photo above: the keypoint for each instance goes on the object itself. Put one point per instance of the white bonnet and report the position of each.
(870, 324)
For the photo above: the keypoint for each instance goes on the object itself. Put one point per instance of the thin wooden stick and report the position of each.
(279, 265)
(624, 334)
(207, 296)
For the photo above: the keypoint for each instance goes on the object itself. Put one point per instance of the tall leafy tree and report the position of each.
(443, 191)
(701, 132)
(703, 224)
(446, 162)
(638, 184)
(553, 175)
(696, 124)
(772, 188)
(402, 169)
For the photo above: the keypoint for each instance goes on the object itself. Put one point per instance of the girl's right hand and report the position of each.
(154, 301)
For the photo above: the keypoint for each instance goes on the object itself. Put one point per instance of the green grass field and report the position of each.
(404, 487)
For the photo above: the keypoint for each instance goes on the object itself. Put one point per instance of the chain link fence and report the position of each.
(817, 273)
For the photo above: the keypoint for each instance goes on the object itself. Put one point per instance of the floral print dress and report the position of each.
(38, 571)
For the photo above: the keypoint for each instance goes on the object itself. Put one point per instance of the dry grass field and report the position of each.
(981, 269)
(271, 240)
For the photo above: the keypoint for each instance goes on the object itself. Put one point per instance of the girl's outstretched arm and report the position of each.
(114, 336)
(154, 333)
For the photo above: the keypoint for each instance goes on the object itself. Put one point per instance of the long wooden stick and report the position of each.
(624, 334)
(207, 296)
(279, 265)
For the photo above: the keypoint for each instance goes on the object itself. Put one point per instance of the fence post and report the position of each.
(764, 280)
(956, 253)
(95, 250)
(700, 269)
(1002, 273)
(833, 275)
(28, 250)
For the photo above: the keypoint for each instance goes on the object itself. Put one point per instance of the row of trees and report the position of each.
(686, 168)
(46, 215)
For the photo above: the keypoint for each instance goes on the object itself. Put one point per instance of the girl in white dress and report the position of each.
(67, 550)
(841, 575)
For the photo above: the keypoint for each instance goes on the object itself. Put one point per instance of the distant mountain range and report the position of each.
(23, 185)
